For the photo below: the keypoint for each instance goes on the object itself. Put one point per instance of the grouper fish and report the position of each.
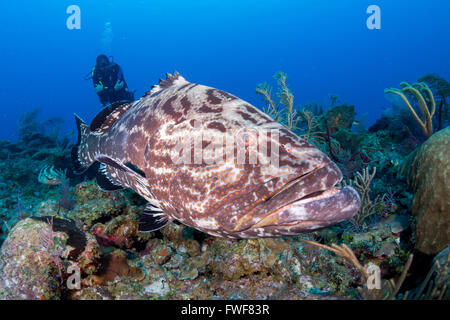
(216, 186)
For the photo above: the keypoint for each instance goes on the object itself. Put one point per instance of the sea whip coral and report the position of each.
(426, 103)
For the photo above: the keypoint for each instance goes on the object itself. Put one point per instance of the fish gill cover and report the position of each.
(301, 151)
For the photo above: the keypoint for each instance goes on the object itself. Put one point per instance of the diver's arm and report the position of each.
(95, 79)
(120, 76)
(98, 85)
(120, 79)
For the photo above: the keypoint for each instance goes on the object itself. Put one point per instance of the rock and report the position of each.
(159, 251)
(116, 265)
(173, 232)
(194, 266)
(388, 249)
(397, 223)
(429, 178)
(373, 238)
(36, 254)
(234, 260)
(26, 271)
(92, 204)
(175, 235)
(121, 231)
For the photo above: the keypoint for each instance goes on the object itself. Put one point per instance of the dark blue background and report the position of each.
(323, 45)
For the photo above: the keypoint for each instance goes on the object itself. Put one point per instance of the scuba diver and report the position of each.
(109, 82)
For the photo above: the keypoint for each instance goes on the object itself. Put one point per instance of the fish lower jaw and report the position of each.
(319, 195)
(314, 211)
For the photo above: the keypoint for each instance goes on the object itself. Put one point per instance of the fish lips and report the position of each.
(306, 215)
(308, 202)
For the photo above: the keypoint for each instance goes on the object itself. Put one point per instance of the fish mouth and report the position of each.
(307, 203)
(312, 212)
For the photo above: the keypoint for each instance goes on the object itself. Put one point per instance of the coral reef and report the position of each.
(67, 223)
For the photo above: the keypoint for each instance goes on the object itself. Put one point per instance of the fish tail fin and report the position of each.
(80, 152)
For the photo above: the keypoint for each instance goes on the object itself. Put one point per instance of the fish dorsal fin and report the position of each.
(171, 80)
(105, 118)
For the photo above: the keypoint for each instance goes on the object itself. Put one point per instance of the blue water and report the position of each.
(324, 46)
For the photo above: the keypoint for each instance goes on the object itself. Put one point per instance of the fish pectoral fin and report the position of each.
(105, 181)
(153, 218)
(125, 176)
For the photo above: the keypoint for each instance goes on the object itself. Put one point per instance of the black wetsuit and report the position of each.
(108, 77)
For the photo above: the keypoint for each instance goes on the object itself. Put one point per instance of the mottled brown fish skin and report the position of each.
(224, 199)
